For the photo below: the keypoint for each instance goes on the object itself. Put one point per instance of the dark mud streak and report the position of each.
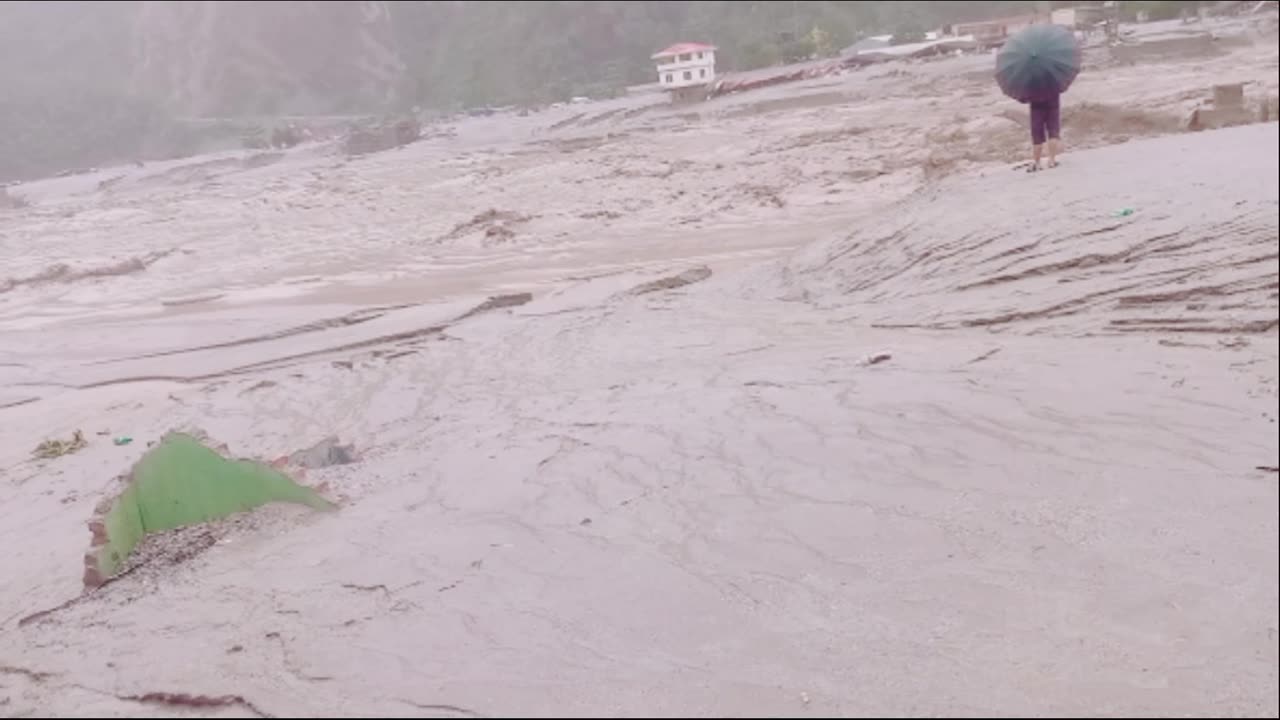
(40, 615)
(1257, 327)
(1077, 263)
(361, 345)
(497, 302)
(48, 613)
(272, 363)
(63, 273)
(32, 675)
(600, 118)
(19, 403)
(184, 700)
(984, 356)
(355, 318)
(450, 710)
(962, 246)
(1226, 289)
(1091, 260)
(671, 282)
(567, 121)
(852, 246)
(493, 303)
(1066, 307)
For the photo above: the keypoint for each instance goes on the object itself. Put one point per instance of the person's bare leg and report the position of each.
(1036, 152)
(1053, 152)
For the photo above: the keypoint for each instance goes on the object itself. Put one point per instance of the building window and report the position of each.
(702, 72)
(668, 77)
(699, 56)
(686, 57)
(688, 74)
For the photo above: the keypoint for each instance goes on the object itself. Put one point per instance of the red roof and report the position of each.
(681, 49)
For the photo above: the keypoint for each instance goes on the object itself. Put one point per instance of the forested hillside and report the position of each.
(86, 83)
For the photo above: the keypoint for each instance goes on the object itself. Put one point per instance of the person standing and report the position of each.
(1046, 129)
(1035, 66)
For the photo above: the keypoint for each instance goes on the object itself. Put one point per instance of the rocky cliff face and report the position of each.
(202, 57)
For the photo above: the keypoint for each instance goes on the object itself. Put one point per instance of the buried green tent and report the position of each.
(181, 482)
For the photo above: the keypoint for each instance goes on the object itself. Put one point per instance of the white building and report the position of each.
(686, 69)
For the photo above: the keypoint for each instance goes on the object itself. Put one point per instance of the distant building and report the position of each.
(994, 32)
(1079, 18)
(686, 70)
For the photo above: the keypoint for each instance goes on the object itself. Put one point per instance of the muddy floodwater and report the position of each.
(804, 401)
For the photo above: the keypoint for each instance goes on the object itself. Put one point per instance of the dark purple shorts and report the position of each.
(1046, 120)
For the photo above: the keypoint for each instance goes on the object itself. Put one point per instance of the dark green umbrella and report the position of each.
(1038, 63)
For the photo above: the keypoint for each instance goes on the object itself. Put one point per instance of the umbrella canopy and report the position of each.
(1038, 63)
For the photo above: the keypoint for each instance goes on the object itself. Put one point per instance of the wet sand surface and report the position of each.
(813, 407)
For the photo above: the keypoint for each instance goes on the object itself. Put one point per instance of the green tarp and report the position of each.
(181, 482)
